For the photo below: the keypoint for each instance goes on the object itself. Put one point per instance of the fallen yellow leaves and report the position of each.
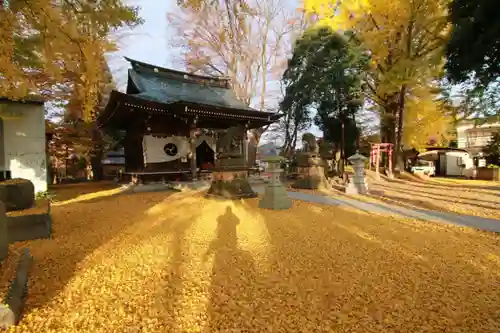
(7, 273)
(463, 197)
(160, 262)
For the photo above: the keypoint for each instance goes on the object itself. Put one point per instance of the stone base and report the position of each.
(312, 177)
(356, 188)
(30, 224)
(230, 184)
(17, 194)
(4, 239)
(275, 197)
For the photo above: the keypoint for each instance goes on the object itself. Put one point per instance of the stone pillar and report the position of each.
(357, 184)
(4, 239)
(275, 196)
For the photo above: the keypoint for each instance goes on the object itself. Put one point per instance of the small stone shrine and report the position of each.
(310, 165)
(275, 196)
(357, 185)
(230, 174)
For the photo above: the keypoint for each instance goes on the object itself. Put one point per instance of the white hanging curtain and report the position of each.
(210, 141)
(160, 150)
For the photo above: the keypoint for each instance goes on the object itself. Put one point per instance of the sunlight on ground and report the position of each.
(468, 197)
(460, 181)
(89, 196)
(177, 262)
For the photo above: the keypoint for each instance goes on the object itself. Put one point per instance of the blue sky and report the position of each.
(150, 43)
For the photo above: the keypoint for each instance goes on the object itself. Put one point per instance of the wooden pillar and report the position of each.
(216, 137)
(389, 152)
(371, 158)
(245, 145)
(192, 141)
(377, 160)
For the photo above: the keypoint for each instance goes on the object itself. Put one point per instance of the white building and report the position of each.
(474, 137)
(453, 162)
(22, 142)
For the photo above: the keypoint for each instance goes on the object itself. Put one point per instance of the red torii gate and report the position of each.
(375, 152)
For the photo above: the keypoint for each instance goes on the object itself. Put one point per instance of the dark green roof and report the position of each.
(168, 86)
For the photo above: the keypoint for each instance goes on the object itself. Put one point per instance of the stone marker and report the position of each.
(310, 166)
(357, 185)
(4, 239)
(275, 196)
(11, 310)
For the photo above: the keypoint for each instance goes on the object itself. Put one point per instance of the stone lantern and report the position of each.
(357, 185)
(275, 196)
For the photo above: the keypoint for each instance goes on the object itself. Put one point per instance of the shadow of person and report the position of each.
(232, 279)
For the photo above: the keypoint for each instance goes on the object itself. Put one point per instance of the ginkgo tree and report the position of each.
(425, 118)
(49, 46)
(405, 39)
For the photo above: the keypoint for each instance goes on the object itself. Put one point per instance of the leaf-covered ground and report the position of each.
(471, 197)
(159, 262)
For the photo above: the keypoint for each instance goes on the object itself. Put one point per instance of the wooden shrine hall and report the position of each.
(171, 121)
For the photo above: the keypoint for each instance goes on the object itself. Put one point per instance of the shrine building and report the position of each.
(171, 121)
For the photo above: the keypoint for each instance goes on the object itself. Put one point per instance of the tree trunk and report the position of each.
(398, 157)
(97, 154)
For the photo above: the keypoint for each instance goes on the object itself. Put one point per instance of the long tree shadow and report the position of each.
(78, 230)
(343, 273)
(440, 198)
(400, 201)
(233, 277)
(167, 300)
(431, 193)
(476, 188)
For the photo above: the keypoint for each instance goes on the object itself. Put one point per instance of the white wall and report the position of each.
(453, 163)
(470, 135)
(24, 144)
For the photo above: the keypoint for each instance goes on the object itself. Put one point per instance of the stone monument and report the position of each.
(310, 165)
(275, 196)
(230, 174)
(357, 185)
(327, 153)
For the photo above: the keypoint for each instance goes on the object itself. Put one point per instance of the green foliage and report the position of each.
(44, 195)
(492, 150)
(82, 163)
(474, 46)
(325, 73)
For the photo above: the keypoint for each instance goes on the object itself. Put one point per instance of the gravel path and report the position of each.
(477, 222)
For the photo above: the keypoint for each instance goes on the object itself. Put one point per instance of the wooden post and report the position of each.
(389, 152)
(192, 141)
(216, 137)
(377, 160)
(245, 146)
(371, 158)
